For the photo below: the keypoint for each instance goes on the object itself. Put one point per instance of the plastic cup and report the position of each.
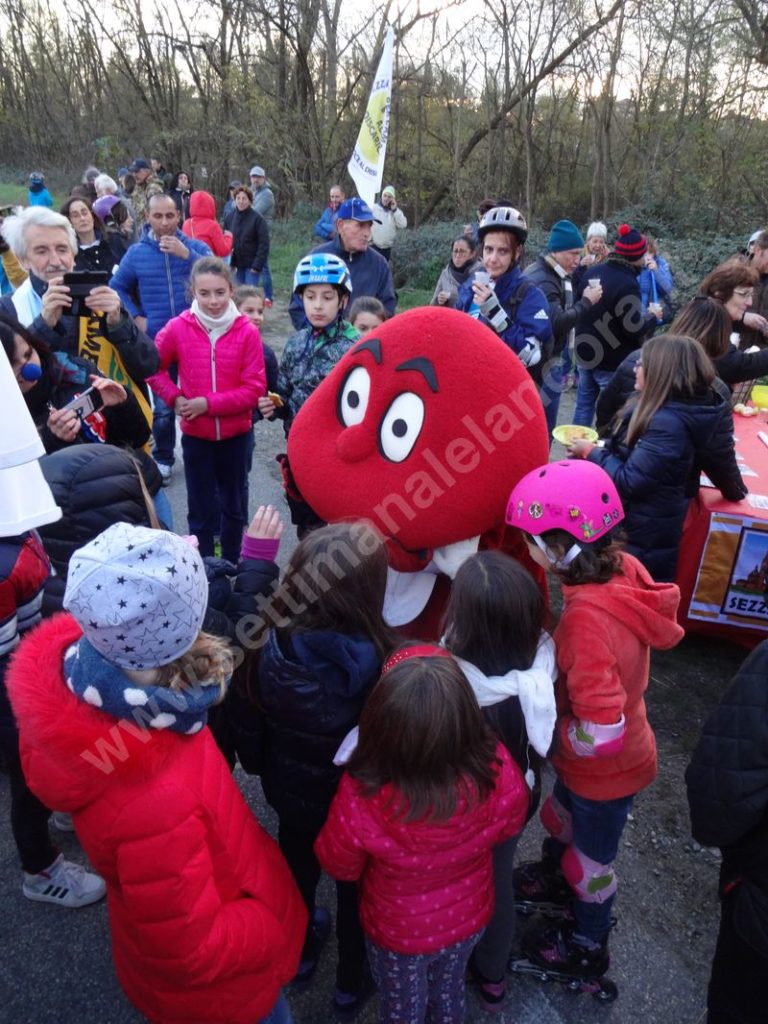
(593, 282)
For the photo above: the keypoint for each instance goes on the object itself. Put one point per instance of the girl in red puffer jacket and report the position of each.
(111, 703)
(427, 794)
(221, 378)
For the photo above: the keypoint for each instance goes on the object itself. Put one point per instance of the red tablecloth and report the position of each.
(723, 566)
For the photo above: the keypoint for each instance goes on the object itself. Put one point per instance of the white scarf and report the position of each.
(534, 687)
(218, 325)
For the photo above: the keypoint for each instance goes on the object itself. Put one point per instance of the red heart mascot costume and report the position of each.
(423, 428)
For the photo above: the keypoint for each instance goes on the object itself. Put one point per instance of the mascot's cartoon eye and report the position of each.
(353, 398)
(401, 427)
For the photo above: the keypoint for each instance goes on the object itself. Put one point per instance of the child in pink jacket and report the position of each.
(221, 378)
(426, 796)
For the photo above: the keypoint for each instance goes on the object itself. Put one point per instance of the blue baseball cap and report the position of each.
(139, 164)
(355, 209)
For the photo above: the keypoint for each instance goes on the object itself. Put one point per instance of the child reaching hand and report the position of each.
(613, 615)
(427, 794)
(111, 702)
(221, 378)
(316, 667)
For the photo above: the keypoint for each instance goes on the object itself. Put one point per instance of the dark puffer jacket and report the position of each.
(610, 329)
(312, 687)
(658, 476)
(153, 283)
(95, 485)
(727, 783)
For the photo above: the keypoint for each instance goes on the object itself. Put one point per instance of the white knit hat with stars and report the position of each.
(139, 595)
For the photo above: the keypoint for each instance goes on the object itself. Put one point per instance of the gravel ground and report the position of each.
(56, 965)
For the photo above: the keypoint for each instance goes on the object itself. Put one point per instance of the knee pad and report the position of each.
(591, 881)
(557, 820)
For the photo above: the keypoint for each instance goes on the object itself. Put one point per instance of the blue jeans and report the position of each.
(597, 829)
(552, 385)
(163, 509)
(164, 425)
(591, 383)
(280, 1012)
(244, 275)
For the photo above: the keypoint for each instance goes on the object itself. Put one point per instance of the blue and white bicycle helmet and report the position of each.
(322, 268)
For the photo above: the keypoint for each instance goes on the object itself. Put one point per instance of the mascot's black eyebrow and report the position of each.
(373, 346)
(423, 366)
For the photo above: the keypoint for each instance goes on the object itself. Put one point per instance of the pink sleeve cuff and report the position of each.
(260, 547)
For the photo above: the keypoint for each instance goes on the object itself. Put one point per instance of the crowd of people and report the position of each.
(404, 765)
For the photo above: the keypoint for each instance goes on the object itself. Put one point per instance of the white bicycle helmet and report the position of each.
(504, 218)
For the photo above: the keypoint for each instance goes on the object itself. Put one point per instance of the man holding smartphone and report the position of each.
(45, 245)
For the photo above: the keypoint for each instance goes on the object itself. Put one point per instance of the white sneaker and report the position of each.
(64, 883)
(62, 821)
(165, 473)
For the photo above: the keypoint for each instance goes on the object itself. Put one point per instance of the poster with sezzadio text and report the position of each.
(732, 582)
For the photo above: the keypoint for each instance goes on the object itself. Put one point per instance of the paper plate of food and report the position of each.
(566, 433)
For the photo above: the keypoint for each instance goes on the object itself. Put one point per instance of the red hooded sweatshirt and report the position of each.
(202, 224)
(604, 642)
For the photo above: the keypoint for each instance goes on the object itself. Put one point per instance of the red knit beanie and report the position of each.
(630, 243)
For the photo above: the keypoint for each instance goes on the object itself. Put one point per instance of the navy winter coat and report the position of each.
(153, 283)
(370, 275)
(727, 783)
(312, 687)
(658, 476)
(610, 329)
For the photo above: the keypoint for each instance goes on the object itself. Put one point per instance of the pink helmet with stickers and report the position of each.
(573, 495)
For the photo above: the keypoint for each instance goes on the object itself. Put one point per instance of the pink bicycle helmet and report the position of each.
(573, 495)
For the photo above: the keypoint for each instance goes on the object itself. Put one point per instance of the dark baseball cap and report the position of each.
(139, 164)
(355, 209)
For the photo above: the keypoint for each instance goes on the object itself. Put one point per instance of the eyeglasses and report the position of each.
(744, 293)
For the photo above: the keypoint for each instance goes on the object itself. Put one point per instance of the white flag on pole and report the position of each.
(366, 166)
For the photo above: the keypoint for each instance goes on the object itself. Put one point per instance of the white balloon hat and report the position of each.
(25, 498)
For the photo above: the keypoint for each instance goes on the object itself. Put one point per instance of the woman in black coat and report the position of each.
(97, 248)
(250, 247)
(727, 783)
(180, 191)
(678, 426)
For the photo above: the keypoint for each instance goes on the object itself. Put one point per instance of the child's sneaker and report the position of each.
(317, 936)
(267, 303)
(65, 884)
(490, 993)
(566, 951)
(540, 887)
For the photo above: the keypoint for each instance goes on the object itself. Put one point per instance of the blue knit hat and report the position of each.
(564, 235)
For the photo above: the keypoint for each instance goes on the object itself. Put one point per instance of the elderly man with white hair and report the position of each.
(45, 244)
